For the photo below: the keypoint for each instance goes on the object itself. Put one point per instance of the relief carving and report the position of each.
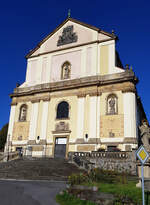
(68, 36)
(21, 131)
(20, 138)
(112, 126)
(62, 126)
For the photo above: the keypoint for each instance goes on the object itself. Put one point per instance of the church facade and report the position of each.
(76, 96)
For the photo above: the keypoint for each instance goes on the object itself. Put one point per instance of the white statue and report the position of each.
(145, 134)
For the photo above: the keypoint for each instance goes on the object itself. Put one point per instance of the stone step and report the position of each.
(52, 169)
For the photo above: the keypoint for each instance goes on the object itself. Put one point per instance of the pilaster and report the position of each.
(92, 117)
(80, 118)
(83, 62)
(33, 121)
(44, 120)
(11, 123)
(129, 102)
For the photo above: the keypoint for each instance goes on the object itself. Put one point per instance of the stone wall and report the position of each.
(116, 161)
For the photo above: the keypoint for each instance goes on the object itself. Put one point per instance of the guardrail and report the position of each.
(114, 155)
(8, 156)
(120, 161)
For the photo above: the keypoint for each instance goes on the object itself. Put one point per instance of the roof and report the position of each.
(65, 21)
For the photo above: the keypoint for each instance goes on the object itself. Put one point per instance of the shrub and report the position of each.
(78, 178)
(97, 175)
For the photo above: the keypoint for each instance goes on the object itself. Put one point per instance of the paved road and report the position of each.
(29, 192)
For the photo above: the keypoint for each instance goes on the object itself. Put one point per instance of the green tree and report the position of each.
(3, 136)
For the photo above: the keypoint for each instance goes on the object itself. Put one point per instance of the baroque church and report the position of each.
(77, 96)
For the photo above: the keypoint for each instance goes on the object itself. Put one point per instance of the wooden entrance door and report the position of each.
(60, 147)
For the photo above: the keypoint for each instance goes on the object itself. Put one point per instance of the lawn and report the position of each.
(122, 186)
(120, 190)
(67, 199)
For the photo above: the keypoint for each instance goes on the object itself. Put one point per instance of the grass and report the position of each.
(67, 199)
(121, 190)
(122, 186)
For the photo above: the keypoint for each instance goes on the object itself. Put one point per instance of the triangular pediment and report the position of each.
(69, 34)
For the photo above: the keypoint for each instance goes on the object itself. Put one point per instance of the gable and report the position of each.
(69, 34)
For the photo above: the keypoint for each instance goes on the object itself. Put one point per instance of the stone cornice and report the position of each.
(130, 140)
(30, 98)
(112, 36)
(97, 80)
(33, 142)
(81, 95)
(13, 103)
(61, 131)
(38, 99)
(95, 93)
(89, 141)
(46, 98)
(129, 89)
(70, 47)
(35, 100)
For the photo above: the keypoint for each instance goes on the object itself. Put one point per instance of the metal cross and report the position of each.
(69, 13)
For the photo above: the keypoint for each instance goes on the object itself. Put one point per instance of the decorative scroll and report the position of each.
(68, 36)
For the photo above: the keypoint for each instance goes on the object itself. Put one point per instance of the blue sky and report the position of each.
(24, 23)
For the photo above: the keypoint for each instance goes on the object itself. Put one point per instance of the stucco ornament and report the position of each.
(68, 36)
(61, 126)
(145, 135)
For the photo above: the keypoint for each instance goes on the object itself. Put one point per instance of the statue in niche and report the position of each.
(112, 105)
(145, 135)
(23, 113)
(68, 36)
(66, 70)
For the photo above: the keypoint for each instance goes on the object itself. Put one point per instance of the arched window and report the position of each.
(23, 113)
(112, 105)
(66, 70)
(62, 110)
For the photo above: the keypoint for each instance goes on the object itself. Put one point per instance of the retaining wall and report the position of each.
(115, 161)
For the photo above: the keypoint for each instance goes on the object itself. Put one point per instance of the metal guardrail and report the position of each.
(114, 155)
(8, 156)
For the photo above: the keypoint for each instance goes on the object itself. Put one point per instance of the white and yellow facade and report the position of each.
(93, 77)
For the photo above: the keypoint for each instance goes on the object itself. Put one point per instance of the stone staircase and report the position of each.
(37, 169)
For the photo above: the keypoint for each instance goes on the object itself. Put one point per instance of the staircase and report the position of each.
(37, 169)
